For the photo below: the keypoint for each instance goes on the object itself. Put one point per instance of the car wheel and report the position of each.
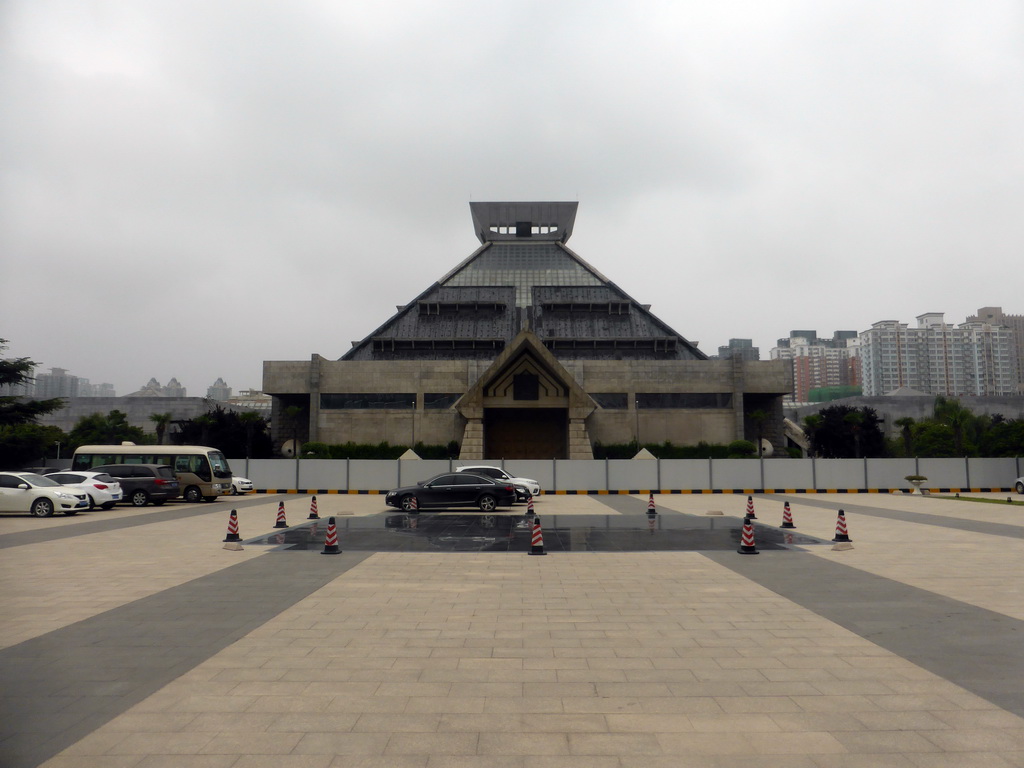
(192, 495)
(234, 491)
(42, 508)
(487, 503)
(108, 505)
(408, 503)
(1020, 487)
(92, 502)
(139, 498)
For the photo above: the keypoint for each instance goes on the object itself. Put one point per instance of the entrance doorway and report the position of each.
(526, 433)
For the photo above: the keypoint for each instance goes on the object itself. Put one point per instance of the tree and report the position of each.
(162, 421)
(959, 419)
(235, 434)
(906, 424)
(18, 410)
(845, 432)
(112, 429)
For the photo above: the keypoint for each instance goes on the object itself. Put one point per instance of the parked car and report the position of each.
(524, 485)
(144, 483)
(454, 489)
(38, 495)
(102, 490)
(1019, 485)
(240, 485)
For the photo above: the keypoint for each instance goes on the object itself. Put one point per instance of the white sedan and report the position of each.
(1019, 485)
(102, 489)
(240, 485)
(39, 496)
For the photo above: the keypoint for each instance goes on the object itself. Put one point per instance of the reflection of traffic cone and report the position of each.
(747, 539)
(750, 508)
(414, 521)
(787, 517)
(537, 541)
(529, 507)
(233, 527)
(331, 542)
(652, 519)
(650, 505)
(312, 510)
(281, 522)
(841, 535)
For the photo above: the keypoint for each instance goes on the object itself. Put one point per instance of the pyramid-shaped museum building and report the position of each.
(524, 350)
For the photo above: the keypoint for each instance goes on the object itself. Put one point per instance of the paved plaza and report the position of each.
(134, 639)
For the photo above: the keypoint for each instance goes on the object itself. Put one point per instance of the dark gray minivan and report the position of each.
(143, 484)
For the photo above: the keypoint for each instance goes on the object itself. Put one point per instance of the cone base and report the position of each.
(280, 525)
(233, 537)
(748, 551)
(534, 552)
(842, 539)
(331, 549)
(313, 517)
(787, 525)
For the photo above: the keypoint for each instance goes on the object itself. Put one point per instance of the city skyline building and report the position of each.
(819, 363)
(939, 358)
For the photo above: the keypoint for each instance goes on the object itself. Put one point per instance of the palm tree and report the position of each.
(162, 420)
(956, 417)
(906, 424)
(249, 420)
(856, 421)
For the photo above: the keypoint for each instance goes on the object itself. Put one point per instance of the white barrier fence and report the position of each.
(679, 475)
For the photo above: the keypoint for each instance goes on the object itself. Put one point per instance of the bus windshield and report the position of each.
(219, 464)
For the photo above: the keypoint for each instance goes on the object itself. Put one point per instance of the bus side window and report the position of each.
(181, 464)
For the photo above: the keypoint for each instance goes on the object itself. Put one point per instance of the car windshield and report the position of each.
(39, 481)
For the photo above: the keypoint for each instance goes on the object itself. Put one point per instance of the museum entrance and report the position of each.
(526, 433)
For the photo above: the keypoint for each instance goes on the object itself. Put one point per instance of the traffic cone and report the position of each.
(233, 527)
(529, 507)
(537, 541)
(281, 522)
(650, 505)
(787, 517)
(750, 508)
(747, 539)
(414, 505)
(331, 542)
(841, 535)
(312, 510)
(652, 521)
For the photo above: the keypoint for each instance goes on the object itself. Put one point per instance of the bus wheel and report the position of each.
(193, 495)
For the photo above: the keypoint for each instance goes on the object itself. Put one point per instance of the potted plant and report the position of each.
(916, 481)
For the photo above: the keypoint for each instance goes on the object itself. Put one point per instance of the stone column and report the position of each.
(579, 440)
(473, 440)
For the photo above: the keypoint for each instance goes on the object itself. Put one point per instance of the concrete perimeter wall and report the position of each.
(637, 475)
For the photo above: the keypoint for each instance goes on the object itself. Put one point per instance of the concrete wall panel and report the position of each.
(992, 473)
(839, 473)
(890, 473)
(686, 474)
(788, 474)
(944, 473)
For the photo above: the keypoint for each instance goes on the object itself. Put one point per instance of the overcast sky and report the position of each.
(191, 188)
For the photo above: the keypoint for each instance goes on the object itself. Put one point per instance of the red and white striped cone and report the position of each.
(841, 534)
(331, 542)
(281, 522)
(312, 510)
(747, 539)
(537, 541)
(233, 527)
(787, 517)
(650, 505)
(529, 507)
(750, 508)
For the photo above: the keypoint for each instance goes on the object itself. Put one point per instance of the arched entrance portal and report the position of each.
(526, 433)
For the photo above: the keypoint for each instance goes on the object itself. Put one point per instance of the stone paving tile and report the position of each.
(580, 659)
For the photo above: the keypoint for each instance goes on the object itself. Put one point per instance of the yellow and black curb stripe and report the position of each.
(637, 491)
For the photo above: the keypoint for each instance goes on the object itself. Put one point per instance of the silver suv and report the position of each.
(525, 487)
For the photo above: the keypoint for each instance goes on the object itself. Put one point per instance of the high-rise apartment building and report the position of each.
(995, 316)
(741, 349)
(819, 363)
(972, 358)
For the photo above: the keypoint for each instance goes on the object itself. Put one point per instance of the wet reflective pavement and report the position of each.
(460, 532)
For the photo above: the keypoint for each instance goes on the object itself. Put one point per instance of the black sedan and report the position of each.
(454, 489)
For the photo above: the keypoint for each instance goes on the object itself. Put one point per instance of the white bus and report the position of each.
(203, 472)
